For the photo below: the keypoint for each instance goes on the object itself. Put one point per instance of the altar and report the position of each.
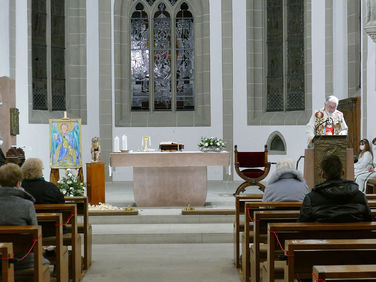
(170, 178)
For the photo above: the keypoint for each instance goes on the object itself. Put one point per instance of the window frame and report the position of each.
(285, 42)
(256, 70)
(201, 115)
(75, 65)
(173, 12)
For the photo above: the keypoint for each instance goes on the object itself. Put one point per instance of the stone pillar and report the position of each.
(4, 42)
(370, 19)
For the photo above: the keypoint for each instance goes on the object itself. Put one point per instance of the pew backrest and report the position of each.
(313, 230)
(22, 238)
(7, 269)
(302, 255)
(363, 272)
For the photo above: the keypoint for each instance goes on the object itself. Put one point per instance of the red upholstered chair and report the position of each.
(252, 167)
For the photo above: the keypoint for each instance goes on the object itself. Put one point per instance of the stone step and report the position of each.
(162, 217)
(162, 233)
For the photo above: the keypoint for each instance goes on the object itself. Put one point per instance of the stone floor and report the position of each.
(160, 244)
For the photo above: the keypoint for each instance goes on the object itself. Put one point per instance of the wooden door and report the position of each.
(350, 108)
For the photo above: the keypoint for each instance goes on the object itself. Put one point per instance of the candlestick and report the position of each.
(116, 144)
(124, 142)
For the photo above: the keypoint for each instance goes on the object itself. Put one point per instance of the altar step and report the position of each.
(147, 228)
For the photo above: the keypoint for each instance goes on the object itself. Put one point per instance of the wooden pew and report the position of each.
(371, 197)
(52, 228)
(311, 230)
(363, 272)
(371, 186)
(304, 254)
(257, 251)
(68, 211)
(240, 201)
(250, 209)
(84, 227)
(22, 238)
(7, 269)
(261, 221)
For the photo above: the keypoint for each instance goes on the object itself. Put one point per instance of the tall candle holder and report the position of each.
(145, 143)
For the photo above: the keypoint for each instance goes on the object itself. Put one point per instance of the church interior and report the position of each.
(155, 106)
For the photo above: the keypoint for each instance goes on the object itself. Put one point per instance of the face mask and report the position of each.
(361, 147)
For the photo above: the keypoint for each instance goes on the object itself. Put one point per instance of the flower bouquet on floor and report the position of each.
(211, 144)
(70, 186)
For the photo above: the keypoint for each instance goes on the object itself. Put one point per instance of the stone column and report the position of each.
(370, 19)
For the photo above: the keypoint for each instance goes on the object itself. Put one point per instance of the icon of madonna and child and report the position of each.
(65, 143)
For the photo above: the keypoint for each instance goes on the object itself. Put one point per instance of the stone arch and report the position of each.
(276, 144)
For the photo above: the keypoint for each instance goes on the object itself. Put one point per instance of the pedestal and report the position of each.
(172, 186)
(95, 183)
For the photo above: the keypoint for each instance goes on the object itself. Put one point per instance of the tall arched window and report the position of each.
(162, 63)
(162, 73)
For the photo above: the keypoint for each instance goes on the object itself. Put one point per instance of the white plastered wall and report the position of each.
(35, 136)
(253, 138)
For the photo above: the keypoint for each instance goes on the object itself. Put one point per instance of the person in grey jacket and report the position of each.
(285, 184)
(16, 205)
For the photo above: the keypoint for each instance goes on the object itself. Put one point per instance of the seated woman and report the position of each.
(285, 184)
(43, 191)
(364, 164)
(16, 206)
(362, 178)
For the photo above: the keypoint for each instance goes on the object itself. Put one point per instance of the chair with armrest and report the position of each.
(252, 167)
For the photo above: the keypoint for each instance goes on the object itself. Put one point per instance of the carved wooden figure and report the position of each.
(95, 150)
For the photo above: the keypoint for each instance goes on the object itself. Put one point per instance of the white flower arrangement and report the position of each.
(69, 185)
(211, 144)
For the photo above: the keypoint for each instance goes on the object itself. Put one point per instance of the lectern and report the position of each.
(324, 145)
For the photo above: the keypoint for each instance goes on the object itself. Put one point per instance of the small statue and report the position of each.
(95, 149)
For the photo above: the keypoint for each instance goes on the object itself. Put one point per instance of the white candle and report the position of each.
(116, 144)
(149, 141)
(124, 142)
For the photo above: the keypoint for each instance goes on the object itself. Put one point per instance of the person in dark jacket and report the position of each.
(43, 191)
(336, 199)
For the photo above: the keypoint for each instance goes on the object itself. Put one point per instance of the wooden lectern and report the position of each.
(95, 183)
(324, 145)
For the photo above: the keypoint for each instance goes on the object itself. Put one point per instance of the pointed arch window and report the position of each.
(162, 73)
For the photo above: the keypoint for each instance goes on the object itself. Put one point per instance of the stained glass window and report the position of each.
(43, 98)
(170, 85)
(285, 55)
(140, 59)
(162, 59)
(184, 59)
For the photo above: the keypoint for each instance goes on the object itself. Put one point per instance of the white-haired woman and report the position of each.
(285, 184)
(43, 191)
